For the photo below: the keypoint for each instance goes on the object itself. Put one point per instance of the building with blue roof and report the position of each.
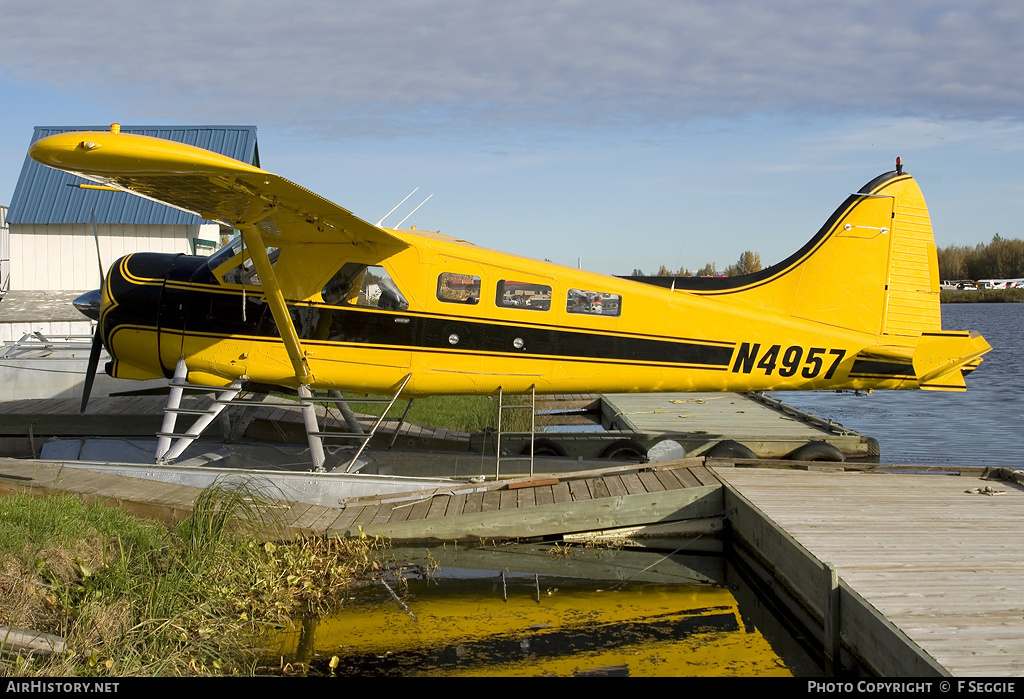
(51, 244)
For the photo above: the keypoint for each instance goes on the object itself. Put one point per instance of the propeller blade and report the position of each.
(90, 303)
(90, 372)
(96, 237)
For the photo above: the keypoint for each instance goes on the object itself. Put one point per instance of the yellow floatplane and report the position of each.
(311, 297)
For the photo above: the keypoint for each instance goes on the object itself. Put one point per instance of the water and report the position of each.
(980, 427)
(554, 611)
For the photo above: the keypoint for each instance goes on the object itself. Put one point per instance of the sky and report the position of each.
(606, 134)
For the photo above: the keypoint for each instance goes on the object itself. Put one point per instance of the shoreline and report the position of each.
(981, 296)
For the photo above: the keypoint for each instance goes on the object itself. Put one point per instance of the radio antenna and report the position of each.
(396, 206)
(413, 211)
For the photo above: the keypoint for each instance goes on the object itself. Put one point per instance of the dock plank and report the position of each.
(651, 482)
(438, 506)
(579, 490)
(474, 503)
(633, 484)
(614, 486)
(544, 495)
(508, 499)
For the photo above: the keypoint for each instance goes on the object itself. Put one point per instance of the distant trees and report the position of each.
(748, 263)
(1000, 259)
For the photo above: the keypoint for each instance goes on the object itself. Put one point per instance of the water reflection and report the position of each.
(531, 610)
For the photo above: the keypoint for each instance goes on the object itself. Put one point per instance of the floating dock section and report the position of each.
(698, 421)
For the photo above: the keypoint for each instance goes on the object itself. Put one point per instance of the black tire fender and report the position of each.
(730, 449)
(624, 449)
(816, 451)
(544, 447)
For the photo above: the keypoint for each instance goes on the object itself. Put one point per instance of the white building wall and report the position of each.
(63, 257)
(5, 252)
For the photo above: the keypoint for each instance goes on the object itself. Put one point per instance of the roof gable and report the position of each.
(43, 194)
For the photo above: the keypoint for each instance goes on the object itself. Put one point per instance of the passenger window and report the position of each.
(527, 295)
(458, 288)
(596, 303)
(357, 284)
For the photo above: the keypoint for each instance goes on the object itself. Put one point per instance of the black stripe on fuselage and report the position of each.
(875, 368)
(215, 313)
(372, 327)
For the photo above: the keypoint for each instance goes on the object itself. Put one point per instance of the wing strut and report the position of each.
(275, 299)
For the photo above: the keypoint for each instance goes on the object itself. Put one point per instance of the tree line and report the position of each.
(999, 259)
(748, 263)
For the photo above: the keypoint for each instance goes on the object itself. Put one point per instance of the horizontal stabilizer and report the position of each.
(942, 359)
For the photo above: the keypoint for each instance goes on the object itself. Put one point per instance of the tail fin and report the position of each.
(872, 267)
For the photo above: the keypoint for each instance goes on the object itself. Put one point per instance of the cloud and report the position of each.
(440, 65)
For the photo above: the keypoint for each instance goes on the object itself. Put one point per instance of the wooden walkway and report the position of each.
(628, 496)
(545, 506)
(934, 555)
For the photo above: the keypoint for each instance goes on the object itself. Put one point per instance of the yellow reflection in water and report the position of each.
(465, 627)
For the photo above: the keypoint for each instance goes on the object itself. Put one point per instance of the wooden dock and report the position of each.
(699, 421)
(898, 574)
(632, 502)
(926, 562)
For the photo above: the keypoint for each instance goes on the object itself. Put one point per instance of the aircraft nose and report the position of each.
(88, 304)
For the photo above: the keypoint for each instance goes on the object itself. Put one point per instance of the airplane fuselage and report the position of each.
(311, 296)
(470, 320)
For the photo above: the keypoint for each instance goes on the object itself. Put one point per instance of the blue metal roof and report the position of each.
(43, 195)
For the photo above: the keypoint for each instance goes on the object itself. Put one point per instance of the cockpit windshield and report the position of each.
(357, 284)
(235, 267)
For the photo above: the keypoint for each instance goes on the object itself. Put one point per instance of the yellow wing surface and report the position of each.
(215, 187)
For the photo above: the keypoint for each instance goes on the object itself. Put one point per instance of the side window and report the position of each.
(527, 295)
(596, 303)
(458, 288)
(371, 286)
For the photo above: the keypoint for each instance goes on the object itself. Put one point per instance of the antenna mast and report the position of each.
(414, 210)
(398, 205)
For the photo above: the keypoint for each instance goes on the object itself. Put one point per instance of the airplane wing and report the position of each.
(214, 186)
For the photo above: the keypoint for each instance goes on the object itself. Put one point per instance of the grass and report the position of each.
(133, 597)
(456, 413)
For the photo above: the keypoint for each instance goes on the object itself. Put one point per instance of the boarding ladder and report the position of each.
(502, 407)
(171, 444)
(367, 436)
